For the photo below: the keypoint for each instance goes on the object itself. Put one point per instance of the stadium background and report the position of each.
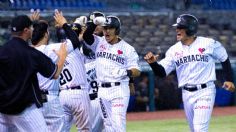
(146, 24)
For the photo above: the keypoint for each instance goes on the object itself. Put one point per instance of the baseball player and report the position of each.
(52, 109)
(115, 62)
(74, 86)
(20, 93)
(193, 57)
(89, 59)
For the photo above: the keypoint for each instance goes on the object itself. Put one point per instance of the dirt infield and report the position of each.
(176, 114)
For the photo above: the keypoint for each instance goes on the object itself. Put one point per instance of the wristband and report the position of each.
(131, 80)
(129, 73)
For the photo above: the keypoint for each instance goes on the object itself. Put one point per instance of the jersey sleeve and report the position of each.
(219, 52)
(56, 46)
(133, 59)
(69, 46)
(44, 65)
(168, 62)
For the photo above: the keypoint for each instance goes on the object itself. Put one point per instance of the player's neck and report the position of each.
(189, 40)
(42, 42)
(116, 40)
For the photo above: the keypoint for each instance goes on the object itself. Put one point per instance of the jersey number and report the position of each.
(94, 86)
(65, 76)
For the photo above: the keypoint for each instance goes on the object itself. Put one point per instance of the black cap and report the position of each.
(20, 22)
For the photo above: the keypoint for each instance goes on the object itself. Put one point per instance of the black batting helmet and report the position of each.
(188, 22)
(113, 22)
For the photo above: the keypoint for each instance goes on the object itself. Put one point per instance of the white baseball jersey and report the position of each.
(194, 64)
(74, 75)
(96, 118)
(120, 56)
(45, 83)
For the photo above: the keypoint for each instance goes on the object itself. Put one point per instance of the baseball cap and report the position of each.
(20, 22)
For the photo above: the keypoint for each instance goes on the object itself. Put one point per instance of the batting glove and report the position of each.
(82, 20)
(117, 73)
(99, 20)
(95, 14)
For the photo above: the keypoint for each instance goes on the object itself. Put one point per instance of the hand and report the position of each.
(62, 52)
(35, 16)
(59, 18)
(150, 57)
(82, 20)
(132, 88)
(117, 73)
(229, 86)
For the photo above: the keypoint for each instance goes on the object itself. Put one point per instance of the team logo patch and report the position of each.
(178, 20)
(108, 21)
(119, 52)
(201, 50)
(102, 47)
(179, 54)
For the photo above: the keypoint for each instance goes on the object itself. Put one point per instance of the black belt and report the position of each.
(109, 84)
(93, 96)
(193, 88)
(75, 87)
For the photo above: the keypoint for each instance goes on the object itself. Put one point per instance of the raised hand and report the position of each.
(229, 86)
(59, 18)
(150, 57)
(35, 16)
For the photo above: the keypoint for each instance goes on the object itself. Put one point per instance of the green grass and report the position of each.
(218, 124)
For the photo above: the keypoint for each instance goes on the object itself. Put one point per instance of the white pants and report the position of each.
(54, 114)
(114, 103)
(76, 104)
(30, 120)
(96, 118)
(198, 106)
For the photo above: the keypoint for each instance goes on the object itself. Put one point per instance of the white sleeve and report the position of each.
(219, 52)
(133, 59)
(70, 47)
(168, 62)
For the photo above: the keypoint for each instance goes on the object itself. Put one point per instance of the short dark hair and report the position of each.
(19, 23)
(40, 28)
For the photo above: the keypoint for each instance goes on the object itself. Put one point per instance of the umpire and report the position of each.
(20, 96)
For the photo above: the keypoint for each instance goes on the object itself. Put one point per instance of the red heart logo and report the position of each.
(201, 50)
(119, 52)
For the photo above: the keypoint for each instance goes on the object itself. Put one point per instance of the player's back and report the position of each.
(74, 72)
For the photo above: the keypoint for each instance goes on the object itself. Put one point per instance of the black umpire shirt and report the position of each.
(19, 64)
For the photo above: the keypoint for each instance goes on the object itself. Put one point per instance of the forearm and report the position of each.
(72, 36)
(158, 69)
(227, 69)
(60, 65)
(133, 72)
(88, 34)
